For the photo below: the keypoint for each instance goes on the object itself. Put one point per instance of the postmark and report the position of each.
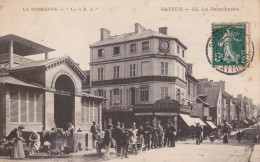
(230, 50)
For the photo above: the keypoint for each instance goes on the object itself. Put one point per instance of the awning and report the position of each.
(187, 119)
(165, 114)
(14, 81)
(211, 124)
(228, 125)
(144, 114)
(198, 120)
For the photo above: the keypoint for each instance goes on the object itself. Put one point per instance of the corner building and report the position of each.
(135, 70)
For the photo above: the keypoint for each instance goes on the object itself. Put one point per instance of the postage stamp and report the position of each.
(231, 47)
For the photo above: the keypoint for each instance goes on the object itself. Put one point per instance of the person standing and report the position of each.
(198, 131)
(125, 142)
(160, 134)
(94, 130)
(117, 135)
(147, 136)
(140, 135)
(18, 151)
(107, 141)
(154, 135)
(172, 135)
(166, 135)
(239, 136)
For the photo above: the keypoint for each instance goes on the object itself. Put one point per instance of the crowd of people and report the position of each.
(149, 136)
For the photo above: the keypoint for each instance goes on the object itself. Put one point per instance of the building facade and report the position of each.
(42, 94)
(138, 69)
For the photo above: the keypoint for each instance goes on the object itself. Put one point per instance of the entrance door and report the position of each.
(64, 102)
(132, 90)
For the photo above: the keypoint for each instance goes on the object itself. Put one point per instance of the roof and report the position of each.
(212, 95)
(4, 58)
(134, 36)
(48, 62)
(226, 95)
(22, 46)
(201, 101)
(14, 81)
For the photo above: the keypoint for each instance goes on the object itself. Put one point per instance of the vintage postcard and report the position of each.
(130, 80)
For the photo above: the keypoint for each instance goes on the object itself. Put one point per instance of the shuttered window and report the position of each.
(39, 107)
(14, 105)
(23, 110)
(31, 107)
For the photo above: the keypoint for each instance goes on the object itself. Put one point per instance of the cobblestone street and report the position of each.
(184, 151)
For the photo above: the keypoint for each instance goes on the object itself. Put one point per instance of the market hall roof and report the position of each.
(49, 63)
(14, 81)
(133, 37)
(22, 46)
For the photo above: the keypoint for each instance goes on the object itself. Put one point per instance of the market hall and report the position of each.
(42, 94)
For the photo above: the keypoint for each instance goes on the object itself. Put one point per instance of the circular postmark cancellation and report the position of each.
(229, 50)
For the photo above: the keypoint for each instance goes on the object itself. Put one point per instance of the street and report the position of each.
(184, 151)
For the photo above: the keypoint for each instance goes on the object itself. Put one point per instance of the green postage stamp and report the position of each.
(231, 48)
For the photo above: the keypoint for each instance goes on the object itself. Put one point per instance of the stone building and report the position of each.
(42, 94)
(136, 71)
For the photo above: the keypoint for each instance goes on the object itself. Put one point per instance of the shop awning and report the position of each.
(198, 120)
(144, 114)
(211, 124)
(187, 119)
(228, 125)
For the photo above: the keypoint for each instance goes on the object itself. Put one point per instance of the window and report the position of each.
(183, 55)
(116, 97)
(101, 53)
(26, 106)
(164, 68)
(145, 46)
(116, 72)
(144, 94)
(132, 70)
(178, 49)
(100, 93)
(178, 94)
(133, 48)
(164, 92)
(116, 50)
(100, 73)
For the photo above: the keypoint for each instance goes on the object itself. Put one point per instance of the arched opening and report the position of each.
(64, 101)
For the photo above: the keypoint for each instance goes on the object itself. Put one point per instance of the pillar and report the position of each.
(46, 55)
(49, 111)
(77, 113)
(11, 53)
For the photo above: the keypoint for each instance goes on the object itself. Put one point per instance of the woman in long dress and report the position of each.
(18, 151)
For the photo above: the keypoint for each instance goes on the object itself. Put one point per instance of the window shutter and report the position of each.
(166, 68)
(137, 95)
(121, 97)
(105, 96)
(111, 97)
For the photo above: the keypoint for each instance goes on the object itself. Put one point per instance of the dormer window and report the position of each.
(117, 50)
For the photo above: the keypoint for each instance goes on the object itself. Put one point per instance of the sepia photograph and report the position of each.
(124, 81)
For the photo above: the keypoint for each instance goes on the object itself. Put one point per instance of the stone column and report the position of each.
(77, 113)
(11, 54)
(49, 111)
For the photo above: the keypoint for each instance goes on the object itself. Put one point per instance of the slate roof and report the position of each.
(212, 95)
(14, 81)
(134, 36)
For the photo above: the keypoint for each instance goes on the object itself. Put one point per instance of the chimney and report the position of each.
(163, 30)
(139, 28)
(105, 34)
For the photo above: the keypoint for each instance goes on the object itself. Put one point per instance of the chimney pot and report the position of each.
(104, 34)
(163, 30)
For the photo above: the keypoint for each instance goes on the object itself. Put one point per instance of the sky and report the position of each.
(71, 32)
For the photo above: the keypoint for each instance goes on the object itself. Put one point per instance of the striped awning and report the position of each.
(211, 124)
(187, 119)
(198, 120)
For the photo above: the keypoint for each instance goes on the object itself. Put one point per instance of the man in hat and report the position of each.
(147, 135)
(107, 141)
(167, 135)
(117, 135)
(154, 135)
(198, 131)
(172, 131)
(94, 130)
(160, 134)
